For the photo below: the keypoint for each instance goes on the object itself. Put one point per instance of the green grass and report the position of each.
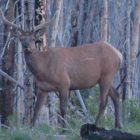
(16, 134)
(46, 132)
(42, 132)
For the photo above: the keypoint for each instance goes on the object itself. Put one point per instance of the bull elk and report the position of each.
(65, 69)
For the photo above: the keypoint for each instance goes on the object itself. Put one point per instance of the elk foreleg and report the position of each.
(63, 105)
(41, 96)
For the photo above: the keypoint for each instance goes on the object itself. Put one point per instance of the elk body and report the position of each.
(65, 69)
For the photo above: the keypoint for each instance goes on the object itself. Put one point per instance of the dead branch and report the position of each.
(11, 79)
(91, 132)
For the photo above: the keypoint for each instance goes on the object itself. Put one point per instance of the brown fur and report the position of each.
(64, 69)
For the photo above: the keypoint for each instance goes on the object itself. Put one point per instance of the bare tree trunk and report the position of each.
(104, 19)
(20, 93)
(56, 22)
(28, 19)
(104, 28)
(134, 48)
(24, 98)
(8, 56)
(128, 85)
(20, 106)
(126, 88)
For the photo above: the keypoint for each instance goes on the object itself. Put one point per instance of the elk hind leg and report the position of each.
(116, 101)
(104, 84)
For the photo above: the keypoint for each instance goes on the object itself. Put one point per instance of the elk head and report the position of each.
(27, 38)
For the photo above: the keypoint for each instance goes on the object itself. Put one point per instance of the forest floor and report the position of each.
(131, 124)
(44, 132)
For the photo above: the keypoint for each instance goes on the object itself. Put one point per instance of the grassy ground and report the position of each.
(44, 132)
(131, 124)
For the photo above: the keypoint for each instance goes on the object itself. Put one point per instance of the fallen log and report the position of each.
(92, 132)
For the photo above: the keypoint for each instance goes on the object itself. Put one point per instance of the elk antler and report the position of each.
(8, 22)
(44, 24)
(35, 28)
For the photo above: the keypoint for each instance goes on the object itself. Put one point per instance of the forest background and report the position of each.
(75, 22)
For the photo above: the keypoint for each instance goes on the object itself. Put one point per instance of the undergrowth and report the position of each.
(130, 116)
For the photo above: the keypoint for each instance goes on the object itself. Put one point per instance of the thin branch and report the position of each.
(7, 5)
(8, 22)
(78, 94)
(123, 79)
(5, 126)
(6, 44)
(68, 125)
(11, 79)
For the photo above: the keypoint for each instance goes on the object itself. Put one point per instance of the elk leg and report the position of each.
(115, 98)
(104, 84)
(63, 105)
(38, 105)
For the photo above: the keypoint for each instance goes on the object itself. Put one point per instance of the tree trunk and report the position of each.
(20, 93)
(104, 21)
(127, 87)
(8, 59)
(28, 14)
(134, 48)
(91, 132)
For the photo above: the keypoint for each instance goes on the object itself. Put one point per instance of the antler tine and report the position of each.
(8, 22)
(43, 25)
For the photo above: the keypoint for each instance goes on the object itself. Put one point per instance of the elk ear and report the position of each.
(16, 33)
(13, 32)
